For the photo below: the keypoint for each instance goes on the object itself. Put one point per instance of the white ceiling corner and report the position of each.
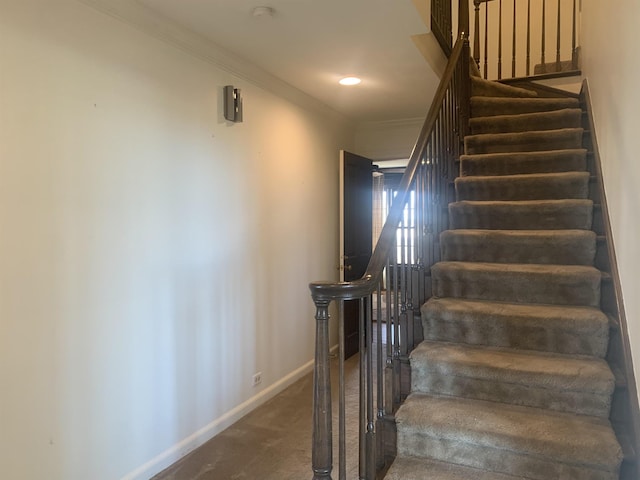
(302, 51)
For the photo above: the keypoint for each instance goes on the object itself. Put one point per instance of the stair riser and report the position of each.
(553, 334)
(443, 383)
(517, 287)
(418, 444)
(523, 163)
(560, 249)
(487, 88)
(521, 217)
(412, 468)
(528, 142)
(518, 333)
(507, 188)
(482, 107)
(528, 122)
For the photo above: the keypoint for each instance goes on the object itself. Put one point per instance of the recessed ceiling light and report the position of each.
(349, 81)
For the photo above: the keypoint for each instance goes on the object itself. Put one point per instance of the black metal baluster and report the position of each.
(574, 49)
(486, 40)
(558, 65)
(476, 32)
(528, 37)
(544, 14)
(342, 429)
(370, 439)
(513, 43)
(500, 41)
(362, 438)
(379, 384)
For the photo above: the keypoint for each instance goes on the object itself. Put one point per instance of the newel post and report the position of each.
(322, 448)
(476, 31)
(465, 92)
(463, 18)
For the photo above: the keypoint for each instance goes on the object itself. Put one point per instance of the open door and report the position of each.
(356, 205)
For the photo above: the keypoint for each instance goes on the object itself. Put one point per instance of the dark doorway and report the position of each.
(356, 230)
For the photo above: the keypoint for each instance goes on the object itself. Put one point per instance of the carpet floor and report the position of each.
(274, 441)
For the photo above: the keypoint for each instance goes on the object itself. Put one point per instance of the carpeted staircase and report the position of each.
(511, 382)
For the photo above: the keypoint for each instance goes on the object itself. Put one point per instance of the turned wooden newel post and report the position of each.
(465, 92)
(463, 18)
(321, 448)
(465, 98)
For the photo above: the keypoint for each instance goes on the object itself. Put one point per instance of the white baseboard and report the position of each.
(179, 450)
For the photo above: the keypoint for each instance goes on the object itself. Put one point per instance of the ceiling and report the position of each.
(311, 44)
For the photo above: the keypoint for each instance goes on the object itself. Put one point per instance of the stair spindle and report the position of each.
(342, 446)
(574, 50)
(379, 384)
(528, 61)
(558, 65)
(486, 39)
(513, 42)
(476, 32)
(370, 439)
(544, 14)
(500, 41)
(362, 401)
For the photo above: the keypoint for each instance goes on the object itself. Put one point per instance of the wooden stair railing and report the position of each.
(441, 24)
(399, 270)
(523, 29)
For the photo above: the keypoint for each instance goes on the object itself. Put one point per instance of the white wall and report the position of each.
(387, 140)
(153, 257)
(610, 63)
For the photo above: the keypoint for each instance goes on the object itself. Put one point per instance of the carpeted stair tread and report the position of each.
(518, 283)
(490, 106)
(524, 122)
(572, 330)
(511, 381)
(522, 215)
(488, 88)
(559, 247)
(513, 163)
(531, 141)
(573, 384)
(533, 186)
(415, 468)
(534, 443)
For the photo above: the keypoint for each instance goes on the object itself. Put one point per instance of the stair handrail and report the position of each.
(366, 284)
(453, 92)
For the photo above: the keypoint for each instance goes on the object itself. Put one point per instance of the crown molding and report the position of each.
(165, 29)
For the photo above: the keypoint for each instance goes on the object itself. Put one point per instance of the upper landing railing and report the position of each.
(517, 38)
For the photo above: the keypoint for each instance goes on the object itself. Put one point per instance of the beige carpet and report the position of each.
(511, 383)
(274, 441)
